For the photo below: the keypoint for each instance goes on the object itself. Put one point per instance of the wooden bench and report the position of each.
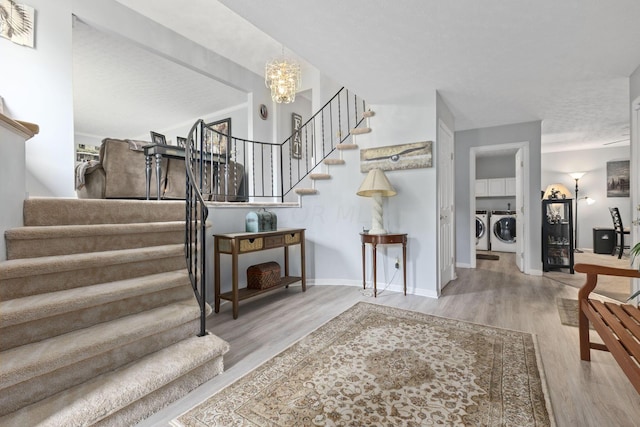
(617, 324)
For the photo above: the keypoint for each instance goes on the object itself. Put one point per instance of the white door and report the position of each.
(520, 212)
(446, 173)
(635, 182)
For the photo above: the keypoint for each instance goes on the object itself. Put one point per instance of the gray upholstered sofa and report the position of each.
(120, 173)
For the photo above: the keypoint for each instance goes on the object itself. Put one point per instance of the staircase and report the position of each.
(332, 161)
(98, 319)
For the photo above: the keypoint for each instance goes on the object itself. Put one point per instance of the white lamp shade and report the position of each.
(376, 182)
(577, 175)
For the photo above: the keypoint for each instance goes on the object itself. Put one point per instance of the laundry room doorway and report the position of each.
(499, 174)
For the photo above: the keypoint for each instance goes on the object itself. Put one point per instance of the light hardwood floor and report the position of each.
(582, 393)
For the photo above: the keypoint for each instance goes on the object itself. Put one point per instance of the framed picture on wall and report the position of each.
(296, 136)
(395, 157)
(618, 178)
(218, 136)
(158, 138)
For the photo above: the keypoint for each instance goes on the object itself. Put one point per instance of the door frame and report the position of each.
(442, 127)
(501, 148)
(635, 180)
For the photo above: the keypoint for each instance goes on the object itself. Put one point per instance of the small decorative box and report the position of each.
(263, 276)
(259, 221)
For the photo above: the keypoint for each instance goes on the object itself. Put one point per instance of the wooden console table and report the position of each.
(236, 244)
(383, 239)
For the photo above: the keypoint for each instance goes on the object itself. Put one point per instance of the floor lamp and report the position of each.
(576, 176)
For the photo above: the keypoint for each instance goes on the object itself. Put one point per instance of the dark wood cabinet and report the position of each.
(557, 234)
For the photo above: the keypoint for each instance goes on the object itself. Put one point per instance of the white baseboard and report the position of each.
(463, 265)
(382, 287)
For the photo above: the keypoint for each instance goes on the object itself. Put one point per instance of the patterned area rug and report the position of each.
(381, 366)
(568, 311)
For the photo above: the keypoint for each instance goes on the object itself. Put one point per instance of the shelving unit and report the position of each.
(557, 234)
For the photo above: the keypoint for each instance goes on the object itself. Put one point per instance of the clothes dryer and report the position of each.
(503, 231)
(482, 230)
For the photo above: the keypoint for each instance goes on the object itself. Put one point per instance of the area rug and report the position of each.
(568, 311)
(381, 366)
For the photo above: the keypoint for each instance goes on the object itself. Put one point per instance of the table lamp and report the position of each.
(376, 185)
(557, 191)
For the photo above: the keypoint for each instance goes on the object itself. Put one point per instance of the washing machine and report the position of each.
(503, 231)
(482, 230)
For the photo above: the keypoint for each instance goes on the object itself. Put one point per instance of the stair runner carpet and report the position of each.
(97, 315)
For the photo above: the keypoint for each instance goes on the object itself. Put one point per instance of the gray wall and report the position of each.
(520, 132)
(556, 168)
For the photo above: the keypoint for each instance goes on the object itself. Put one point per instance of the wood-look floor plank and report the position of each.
(495, 293)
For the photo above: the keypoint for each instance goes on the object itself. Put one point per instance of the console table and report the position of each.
(164, 150)
(236, 244)
(383, 239)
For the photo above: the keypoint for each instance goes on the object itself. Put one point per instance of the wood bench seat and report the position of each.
(617, 324)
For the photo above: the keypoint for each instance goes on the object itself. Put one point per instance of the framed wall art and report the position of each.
(220, 139)
(17, 22)
(394, 157)
(296, 136)
(618, 178)
(158, 138)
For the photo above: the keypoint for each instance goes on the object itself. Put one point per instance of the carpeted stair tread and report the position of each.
(345, 146)
(360, 131)
(58, 211)
(26, 309)
(331, 162)
(52, 264)
(83, 230)
(319, 176)
(39, 241)
(368, 113)
(32, 360)
(90, 402)
(306, 191)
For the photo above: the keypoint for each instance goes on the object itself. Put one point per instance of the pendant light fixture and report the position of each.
(282, 76)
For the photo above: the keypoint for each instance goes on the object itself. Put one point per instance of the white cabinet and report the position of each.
(496, 187)
(481, 188)
(509, 186)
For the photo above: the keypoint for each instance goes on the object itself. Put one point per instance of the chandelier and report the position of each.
(282, 76)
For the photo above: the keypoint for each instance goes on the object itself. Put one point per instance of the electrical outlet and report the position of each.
(397, 263)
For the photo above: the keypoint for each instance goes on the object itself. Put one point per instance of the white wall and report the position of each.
(529, 132)
(556, 168)
(36, 87)
(335, 217)
(13, 177)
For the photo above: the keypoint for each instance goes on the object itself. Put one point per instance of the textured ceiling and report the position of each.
(123, 91)
(494, 62)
